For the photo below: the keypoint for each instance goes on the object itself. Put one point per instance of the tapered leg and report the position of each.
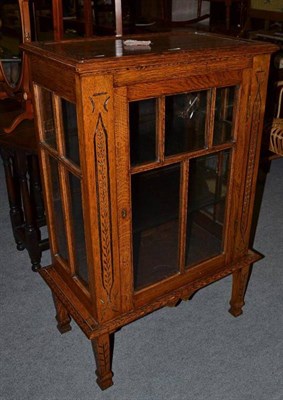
(62, 316)
(240, 281)
(102, 348)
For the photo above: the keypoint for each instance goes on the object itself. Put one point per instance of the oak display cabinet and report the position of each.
(149, 157)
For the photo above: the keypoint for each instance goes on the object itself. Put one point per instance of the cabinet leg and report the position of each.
(62, 316)
(102, 348)
(240, 281)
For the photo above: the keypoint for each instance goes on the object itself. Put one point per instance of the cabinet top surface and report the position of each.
(173, 45)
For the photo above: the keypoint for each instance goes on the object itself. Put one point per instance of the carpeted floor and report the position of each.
(196, 351)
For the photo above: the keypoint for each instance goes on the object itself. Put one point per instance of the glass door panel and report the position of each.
(58, 216)
(185, 122)
(47, 112)
(224, 112)
(78, 227)
(142, 131)
(70, 129)
(155, 215)
(178, 199)
(208, 181)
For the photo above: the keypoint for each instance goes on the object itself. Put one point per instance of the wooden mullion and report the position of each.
(160, 129)
(59, 129)
(218, 185)
(37, 93)
(74, 169)
(183, 214)
(180, 158)
(211, 105)
(236, 108)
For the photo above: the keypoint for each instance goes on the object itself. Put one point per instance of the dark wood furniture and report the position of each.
(65, 20)
(242, 4)
(19, 90)
(19, 155)
(149, 157)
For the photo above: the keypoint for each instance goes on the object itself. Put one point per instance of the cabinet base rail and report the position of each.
(68, 307)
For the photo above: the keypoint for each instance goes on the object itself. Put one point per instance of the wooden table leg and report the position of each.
(35, 187)
(14, 197)
(102, 347)
(32, 233)
(62, 316)
(240, 282)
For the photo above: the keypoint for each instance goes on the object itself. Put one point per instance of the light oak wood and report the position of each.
(102, 89)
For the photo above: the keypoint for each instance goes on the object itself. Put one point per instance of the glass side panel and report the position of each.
(49, 135)
(58, 218)
(185, 122)
(223, 118)
(142, 131)
(70, 128)
(208, 178)
(155, 209)
(78, 227)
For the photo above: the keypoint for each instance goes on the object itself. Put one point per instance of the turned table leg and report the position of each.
(240, 281)
(62, 316)
(32, 233)
(14, 197)
(35, 187)
(102, 348)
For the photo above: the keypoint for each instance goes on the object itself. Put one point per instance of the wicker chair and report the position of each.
(276, 134)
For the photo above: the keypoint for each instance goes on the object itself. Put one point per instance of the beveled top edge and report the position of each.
(101, 50)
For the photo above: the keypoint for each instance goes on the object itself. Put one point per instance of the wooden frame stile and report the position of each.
(124, 211)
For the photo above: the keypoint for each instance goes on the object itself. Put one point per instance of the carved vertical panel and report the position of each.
(255, 115)
(104, 202)
(253, 145)
(100, 180)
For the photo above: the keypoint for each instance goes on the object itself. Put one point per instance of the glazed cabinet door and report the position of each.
(63, 188)
(175, 182)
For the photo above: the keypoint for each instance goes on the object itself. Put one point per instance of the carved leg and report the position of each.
(240, 281)
(62, 316)
(102, 348)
